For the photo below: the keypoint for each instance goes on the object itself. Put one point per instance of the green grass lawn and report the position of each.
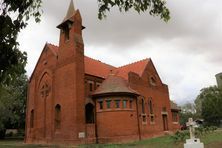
(211, 140)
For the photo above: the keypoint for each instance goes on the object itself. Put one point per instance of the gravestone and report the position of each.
(192, 142)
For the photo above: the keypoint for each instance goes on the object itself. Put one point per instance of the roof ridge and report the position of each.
(52, 44)
(99, 61)
(134, 62)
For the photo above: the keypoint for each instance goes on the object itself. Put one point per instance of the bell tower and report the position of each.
(69, 76)
(71, 42)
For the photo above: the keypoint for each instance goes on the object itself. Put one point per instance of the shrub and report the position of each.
(180, 136)
(10, 134)
(2, 133)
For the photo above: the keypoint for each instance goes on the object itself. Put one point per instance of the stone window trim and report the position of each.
(152, 119)
(144, 119)
(175, 122)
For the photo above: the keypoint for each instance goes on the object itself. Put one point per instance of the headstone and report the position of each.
(192, 142)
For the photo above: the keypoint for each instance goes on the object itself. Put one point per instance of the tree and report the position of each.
(187, 111)
(208, 103)
(13, 18)
(156, 7)
(12, 103)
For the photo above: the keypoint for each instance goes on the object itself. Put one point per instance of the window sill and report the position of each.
(152, 123)
(115, 110)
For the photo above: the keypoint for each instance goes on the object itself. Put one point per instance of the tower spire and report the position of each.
(71, 11)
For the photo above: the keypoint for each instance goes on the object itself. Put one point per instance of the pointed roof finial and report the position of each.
(71, 11)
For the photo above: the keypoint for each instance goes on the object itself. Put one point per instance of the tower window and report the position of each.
(66, 32)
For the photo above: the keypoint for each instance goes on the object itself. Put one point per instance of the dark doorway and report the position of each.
(89, 113)
(165, 123)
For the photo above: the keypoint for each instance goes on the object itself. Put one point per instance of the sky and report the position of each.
(186, 51)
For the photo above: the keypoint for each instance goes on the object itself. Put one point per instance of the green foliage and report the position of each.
(187, 111)
(203, 131)
(14, 15)
(209, 105)
(180, 136)
(155, 7)
(12, 103)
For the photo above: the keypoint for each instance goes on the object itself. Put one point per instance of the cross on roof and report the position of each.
(45, 90)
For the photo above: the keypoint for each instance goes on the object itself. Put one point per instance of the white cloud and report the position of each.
(186, 51)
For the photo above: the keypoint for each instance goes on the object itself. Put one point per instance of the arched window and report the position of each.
(150, 104)
(32, 119)
(89, 113)
(57, 116)
(143, 106)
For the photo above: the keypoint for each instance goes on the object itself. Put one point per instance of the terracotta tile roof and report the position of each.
(100, 69)
(174, 106)
(97, 68)
(137, 67)
(54, 48)
(92, 66)
(114, 85)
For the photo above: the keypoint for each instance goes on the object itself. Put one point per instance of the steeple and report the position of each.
(68, 18)
(70, 33)
(71, 11)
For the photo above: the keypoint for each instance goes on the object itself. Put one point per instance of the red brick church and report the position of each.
(73, 98)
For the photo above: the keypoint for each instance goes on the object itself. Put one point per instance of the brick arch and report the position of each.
(44, 104)
(43, 74)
